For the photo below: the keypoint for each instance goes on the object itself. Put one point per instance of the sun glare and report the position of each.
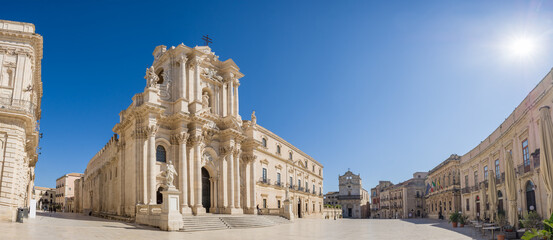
(522, 47)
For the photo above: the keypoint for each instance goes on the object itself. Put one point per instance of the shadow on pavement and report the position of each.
(82, 217)
(468, 231)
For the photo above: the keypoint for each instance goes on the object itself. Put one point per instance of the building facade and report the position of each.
(402, 200)
(45, 197)
(519, 135)
(65, 190)
(188, 119)
(443, 188)
(20, 99)
(376, 193)
(353, 198)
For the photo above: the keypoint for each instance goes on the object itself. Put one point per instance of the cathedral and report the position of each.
(187, 122)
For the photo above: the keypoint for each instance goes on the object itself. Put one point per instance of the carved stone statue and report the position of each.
(169, 174)
(254, 119)
(205, 100)
(151, 77)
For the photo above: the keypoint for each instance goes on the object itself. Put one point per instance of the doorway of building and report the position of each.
(299, 208)
(530, 197)
(349, 212)
(478, 207)
(206, 190)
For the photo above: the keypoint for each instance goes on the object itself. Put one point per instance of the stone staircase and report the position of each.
(203, 223)
(220, 221)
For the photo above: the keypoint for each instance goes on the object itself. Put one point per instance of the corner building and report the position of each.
(519, 135)
(20, 99)
(188, 115)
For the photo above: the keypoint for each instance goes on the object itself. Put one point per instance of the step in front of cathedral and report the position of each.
(221, 221)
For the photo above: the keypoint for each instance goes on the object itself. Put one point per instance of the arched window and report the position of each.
(278, 149)
(264, 142)
(161, 154)
(290, 155)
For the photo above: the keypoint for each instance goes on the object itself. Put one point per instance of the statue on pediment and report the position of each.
(254, 118)
(170, 174)
(151, 77)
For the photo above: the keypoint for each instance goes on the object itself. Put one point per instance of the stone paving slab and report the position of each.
(77, 226)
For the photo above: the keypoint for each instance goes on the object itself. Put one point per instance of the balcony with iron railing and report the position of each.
(534, 163)
(264, 181)
(17, 105)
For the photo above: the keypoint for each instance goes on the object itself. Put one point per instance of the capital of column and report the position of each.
(247, 158)
(195, 61)
(180, 138)
(151, 130)
(226, 150)
(182, 59)
(196, 139)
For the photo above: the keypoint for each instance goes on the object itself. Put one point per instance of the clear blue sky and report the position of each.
(385, 88)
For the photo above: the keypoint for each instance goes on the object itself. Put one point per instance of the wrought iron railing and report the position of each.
(265, 180)
(17, 105)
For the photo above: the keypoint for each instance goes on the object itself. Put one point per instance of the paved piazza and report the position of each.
(76, 226)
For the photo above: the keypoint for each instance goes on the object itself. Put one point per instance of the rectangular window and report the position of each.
(525, 153)
(497, 172)
(475, 178)
(278, 203)
(468, 208)
(264, 203)
(313, 188)
(485, 173)
(299, 183)
(278, 178)
(466, 180)
(291, 182)
(306, 186)
(264, 175)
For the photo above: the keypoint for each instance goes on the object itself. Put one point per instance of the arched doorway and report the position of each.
(206, 190)
(530, 196)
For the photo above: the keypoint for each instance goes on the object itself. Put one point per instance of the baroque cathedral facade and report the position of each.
(188, 117)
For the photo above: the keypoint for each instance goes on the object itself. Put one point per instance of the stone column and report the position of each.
(181, 139)
(252, 183)
(123, 189)
(247, 184)
(230, 183)
(237, 178)
(182, 90)
(236, 98)
(197, 141)
(197, 90)
(230, 98)
(222, 178)
(151, 131)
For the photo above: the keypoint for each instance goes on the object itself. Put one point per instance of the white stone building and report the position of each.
(188, 115)
(352, 197)
(20, 98)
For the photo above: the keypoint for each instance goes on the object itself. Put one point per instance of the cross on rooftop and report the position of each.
(207, 40)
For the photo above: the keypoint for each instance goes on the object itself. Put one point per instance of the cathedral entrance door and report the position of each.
(206, 190)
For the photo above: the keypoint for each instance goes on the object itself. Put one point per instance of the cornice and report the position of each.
(284, 142)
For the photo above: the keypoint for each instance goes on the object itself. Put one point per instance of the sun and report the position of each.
(522, 47)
